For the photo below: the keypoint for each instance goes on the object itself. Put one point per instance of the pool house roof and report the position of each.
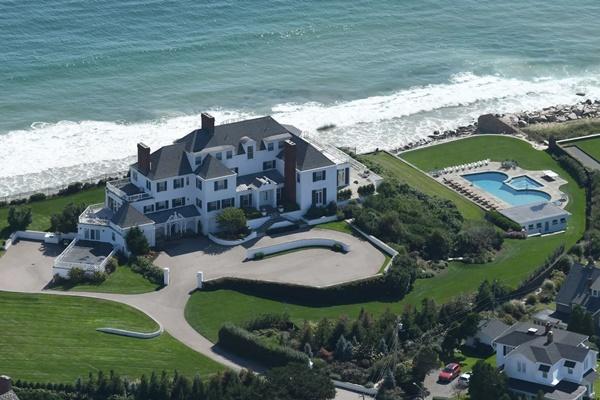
(534, 212)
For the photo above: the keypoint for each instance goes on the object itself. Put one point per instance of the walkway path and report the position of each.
(26, 267)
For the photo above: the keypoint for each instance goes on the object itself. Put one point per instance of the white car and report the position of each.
(463, 380)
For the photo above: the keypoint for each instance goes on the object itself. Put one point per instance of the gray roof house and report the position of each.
(582, 287)
(489, 329)
(559, 363)
(538, 218)
(6, 392)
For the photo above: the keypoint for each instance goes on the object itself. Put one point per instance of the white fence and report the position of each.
(257, 222)
(294, 244)
(62, 268)
(37, 236)
(321, 220)
(138, 335)
(377, 243)
(224, 242)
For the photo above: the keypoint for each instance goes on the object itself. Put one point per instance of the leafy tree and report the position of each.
(486, 382)
(581, 321)
(437, 245)
(232, 221)
(425, 360)
(137, 242)
(18, 218)
(298, 382)
(66, 221)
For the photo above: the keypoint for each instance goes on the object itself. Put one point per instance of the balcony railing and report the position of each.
(92, 215)
(114, 187)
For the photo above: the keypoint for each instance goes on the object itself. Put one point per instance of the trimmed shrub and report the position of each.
(37, 197)
(76, 275)
(269, 321)
(71, 189)
(574, 168)
(315, 212)
(366, 190)
(331, 208)
(111, 265)
(283, 229)
(344, 194)
(259, 256)
(337, 248)
(150, 271)
(502, 221)
(232, 222)
(252, 213)
(245, 344)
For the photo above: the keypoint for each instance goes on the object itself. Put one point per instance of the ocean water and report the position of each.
(81, 82)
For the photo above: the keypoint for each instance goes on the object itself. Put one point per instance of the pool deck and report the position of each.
(455, 181)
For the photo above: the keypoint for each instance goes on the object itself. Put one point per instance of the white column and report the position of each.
(166, 276)
(200, 279)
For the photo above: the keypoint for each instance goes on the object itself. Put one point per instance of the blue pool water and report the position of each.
(494, 183)
(524, 182)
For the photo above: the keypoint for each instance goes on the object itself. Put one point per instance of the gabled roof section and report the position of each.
(127, 217)
(576, 288)
(256, 129)
(163, 216)
(212, 168)
(492, 327)
(308, 157)
(168, 161)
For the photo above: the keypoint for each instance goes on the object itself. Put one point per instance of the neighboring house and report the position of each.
(559, 363)
(538, 218)
(548, 317)
(182, 187)
(582, 288)
(488, 330)
(6, 392)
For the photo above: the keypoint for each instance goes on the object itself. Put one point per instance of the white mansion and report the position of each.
(181, 188)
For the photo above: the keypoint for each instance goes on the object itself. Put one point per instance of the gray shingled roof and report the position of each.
(565, 344)
(246, 182)
(160, 217)
(533, 212)
(127, 216)
(576, 288)
(564, 390)
(258, 129)
(492, 327)
(232, 133)
(168, 161)
(212, 168)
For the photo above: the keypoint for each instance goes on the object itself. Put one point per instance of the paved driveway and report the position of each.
(439, 389)
(313, 267)
(27, 267)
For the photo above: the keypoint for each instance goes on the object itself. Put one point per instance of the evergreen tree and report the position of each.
(308, 350)
(142, 392)
(197, 389)
(383, 347)
(389, 381)
(153, 388)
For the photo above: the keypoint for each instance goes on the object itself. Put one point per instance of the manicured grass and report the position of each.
(41, 211)
(467, 358)
(405, 173)
(207, 311)
(590, 146)
(339, 226)
(123, 280)
(53, 338)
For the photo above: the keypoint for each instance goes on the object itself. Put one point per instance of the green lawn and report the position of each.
(42, 210)
(123, 280)
(590, 146)
(207, 311)
(340, 226)
(53, 338)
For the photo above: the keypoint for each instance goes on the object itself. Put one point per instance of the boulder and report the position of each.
(572, 116)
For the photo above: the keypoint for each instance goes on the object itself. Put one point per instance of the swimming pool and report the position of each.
(515, 191)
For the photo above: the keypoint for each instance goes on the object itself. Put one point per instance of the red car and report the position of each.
(450, 372)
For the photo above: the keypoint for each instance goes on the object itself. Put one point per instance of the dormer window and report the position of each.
(544, 370)
(229, 154)
(270, 146)
(594, 293)
(250, 152)
(198, 160)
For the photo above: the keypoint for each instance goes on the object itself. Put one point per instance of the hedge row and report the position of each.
(502, 221)
(245, 344)
(369, 289)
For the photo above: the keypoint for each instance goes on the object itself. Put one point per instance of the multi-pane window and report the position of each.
(198, 203)
(250, 152)
(92, 234)
(219, 156)
(281, 144)
(198, 160)
(177, 183)
(268, 165)
(199, 183)
(161, 205)
(229, 154)
(178, 202)
(221, 185)
(148, 208)
(134, 175)
(319, 176)
(148, 185)
(227, 202)
(213, 205)
(161, 186)
(246, 200)
(270, 146)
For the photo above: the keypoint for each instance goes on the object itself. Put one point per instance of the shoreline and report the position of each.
(585, 110)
